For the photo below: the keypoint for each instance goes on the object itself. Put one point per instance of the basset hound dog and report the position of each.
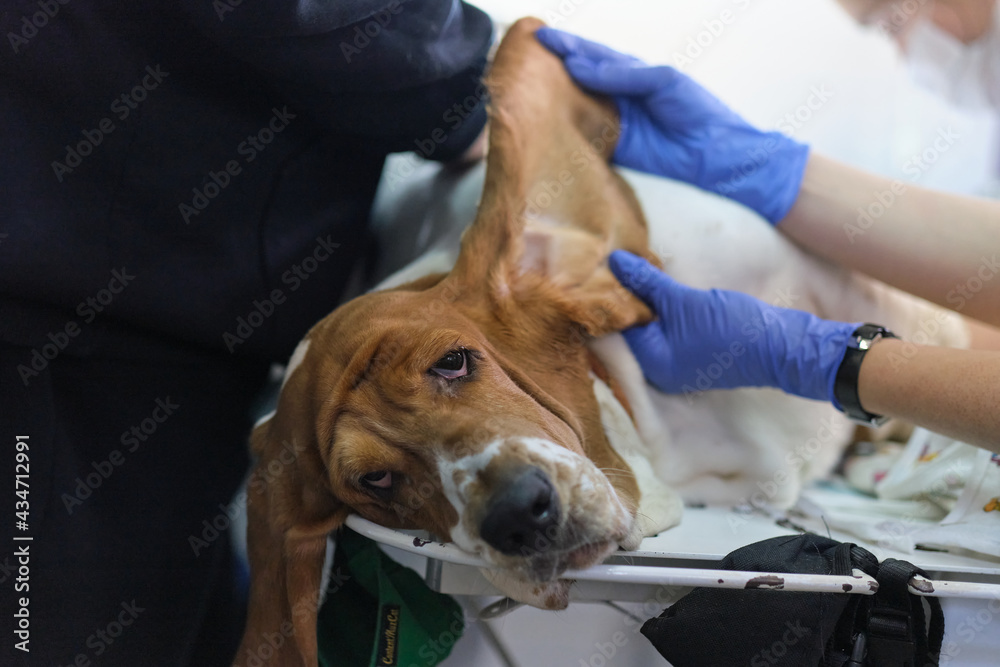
(492, 404)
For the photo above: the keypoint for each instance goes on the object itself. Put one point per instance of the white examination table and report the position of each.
(630, 587)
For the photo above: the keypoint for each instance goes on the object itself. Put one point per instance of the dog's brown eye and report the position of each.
(453, 365)
(381, 479)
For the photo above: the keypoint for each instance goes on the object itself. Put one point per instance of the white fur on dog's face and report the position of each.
(591, 526)
(442, 451)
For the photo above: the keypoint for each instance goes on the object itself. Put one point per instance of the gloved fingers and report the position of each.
(680, 100)
(678, 97)
(565, 45)
(602, 69)
(619, 78)
(641, 278)
(650, 346)
(646, 339)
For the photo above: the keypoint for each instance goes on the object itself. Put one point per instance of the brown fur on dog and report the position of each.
(530, 286)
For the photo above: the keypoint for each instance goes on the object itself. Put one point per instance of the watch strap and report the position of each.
(845, 385)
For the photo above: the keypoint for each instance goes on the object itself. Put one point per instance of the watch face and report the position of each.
(868, 334)
(875, 420)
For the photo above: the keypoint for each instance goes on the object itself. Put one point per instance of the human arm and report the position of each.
(717, 339)
(942, 247)
(952, 392)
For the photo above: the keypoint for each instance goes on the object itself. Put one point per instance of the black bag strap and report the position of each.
(898, 634)
(848, 641)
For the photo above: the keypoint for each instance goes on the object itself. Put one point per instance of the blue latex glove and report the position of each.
(718, 339)
(673, 127)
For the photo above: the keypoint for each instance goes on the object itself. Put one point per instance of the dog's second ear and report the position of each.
(290, 514)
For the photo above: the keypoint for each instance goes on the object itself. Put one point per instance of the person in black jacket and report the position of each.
(185, 191)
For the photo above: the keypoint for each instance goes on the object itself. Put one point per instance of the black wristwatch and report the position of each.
(845, 386)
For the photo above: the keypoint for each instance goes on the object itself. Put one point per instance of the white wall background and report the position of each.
(768, 59)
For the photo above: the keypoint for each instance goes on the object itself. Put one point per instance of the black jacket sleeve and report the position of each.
(404, 74)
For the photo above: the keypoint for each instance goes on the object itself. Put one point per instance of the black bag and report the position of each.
(761, 628)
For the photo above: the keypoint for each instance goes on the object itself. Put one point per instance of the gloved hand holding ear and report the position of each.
(725, 339)
(673, 127)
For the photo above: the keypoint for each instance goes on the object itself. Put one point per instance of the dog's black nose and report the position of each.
(522, 517)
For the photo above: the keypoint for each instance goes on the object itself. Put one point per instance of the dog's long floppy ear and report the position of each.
(290, 513)
(552, 208)
(492, 245)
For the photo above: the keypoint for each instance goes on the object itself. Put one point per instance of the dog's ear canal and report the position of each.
(288, 523)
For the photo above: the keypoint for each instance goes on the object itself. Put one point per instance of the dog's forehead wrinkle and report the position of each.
(420, 344)
(385, 403)
(371, 434)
